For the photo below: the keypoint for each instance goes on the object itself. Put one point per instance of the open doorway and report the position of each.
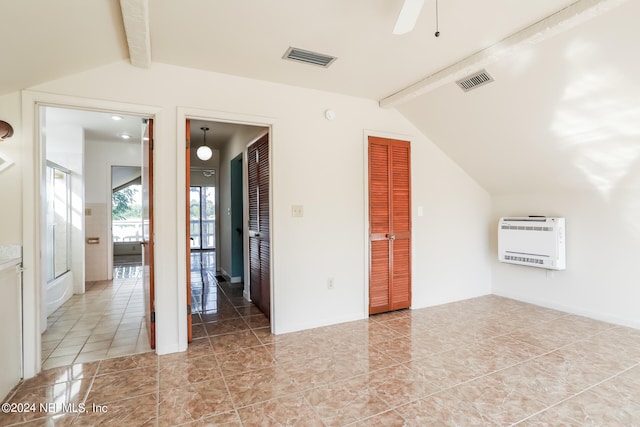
(126, 215)
(219, 295)
(99, 308)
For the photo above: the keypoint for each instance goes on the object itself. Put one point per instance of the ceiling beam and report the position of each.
(135, 14)
(560, 21)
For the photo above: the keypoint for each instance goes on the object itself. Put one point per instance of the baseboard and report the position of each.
(322, 322)
(229, 278)
(578, 311)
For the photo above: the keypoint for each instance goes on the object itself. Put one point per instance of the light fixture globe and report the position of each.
(204, 153)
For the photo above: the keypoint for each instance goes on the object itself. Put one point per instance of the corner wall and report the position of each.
(603, 249)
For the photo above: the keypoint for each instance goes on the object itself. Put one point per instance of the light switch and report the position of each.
(420, 211)
(297, 211)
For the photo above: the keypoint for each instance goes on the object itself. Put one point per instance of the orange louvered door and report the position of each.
(389, 225)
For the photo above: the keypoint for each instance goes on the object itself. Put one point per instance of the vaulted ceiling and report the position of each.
(561, 113)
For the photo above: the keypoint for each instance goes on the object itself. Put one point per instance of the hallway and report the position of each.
(107, 321)
(218, 307)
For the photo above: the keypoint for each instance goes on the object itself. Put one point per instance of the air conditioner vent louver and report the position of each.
(475, 80)
(525, 228)
(308, 57)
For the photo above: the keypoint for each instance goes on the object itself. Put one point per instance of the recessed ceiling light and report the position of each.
(116, 118)
(125, 136)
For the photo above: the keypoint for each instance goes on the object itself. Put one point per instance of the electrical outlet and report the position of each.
(330, 283)
(297, 211)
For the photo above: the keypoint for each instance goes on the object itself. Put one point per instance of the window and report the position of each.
(58, 222)
(203, 217)
(127, 214)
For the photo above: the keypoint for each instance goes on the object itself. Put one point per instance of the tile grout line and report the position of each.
(578, 393)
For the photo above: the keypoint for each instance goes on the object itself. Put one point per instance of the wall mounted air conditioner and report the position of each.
(533, 241)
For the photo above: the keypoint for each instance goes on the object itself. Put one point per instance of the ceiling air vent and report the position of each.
(475, 80)
(313, 58)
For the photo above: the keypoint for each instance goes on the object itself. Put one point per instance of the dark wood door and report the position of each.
(259, 233)
(389, 224)
(187, 192)
(147, 231)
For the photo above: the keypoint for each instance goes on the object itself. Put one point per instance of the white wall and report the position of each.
(451, 257)
(603, 249)
(99, 158)
(316, 163)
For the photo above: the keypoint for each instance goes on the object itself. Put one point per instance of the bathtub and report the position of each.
(58, 291)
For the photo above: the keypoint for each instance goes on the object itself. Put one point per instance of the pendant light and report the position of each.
(204, 152)
(6, 131)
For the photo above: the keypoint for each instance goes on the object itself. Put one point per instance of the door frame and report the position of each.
(237, 196)
(32, 204)
(184, 114)
(367, 255)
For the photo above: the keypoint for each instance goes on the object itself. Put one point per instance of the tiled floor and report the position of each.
(107, 321)
(486, 361)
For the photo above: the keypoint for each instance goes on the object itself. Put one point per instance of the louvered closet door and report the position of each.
(259, 233)
(390, 225)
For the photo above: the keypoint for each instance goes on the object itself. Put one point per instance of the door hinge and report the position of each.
(153, 317)
(187, 144)
(188, 309)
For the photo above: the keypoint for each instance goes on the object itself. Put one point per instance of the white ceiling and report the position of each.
(249, 37)
(101, 126)
(45, 40)
(562, 113)
(98, 126)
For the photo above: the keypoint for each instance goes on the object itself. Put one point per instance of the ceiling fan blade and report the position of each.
(408, 16)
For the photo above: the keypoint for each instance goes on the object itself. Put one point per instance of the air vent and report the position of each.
(475, 80)
(523, 259)
(313, 58)
(525, 228)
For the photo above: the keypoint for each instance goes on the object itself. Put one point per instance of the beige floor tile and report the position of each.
(290, 410)
(260, 385)
(485, 361)
(66, 351)
(54, 362)
(91, 356)
(96, 345)
(341, 403)
(119, 385)
(193, 402)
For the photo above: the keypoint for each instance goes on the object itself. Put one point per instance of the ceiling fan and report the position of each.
(409, 16)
